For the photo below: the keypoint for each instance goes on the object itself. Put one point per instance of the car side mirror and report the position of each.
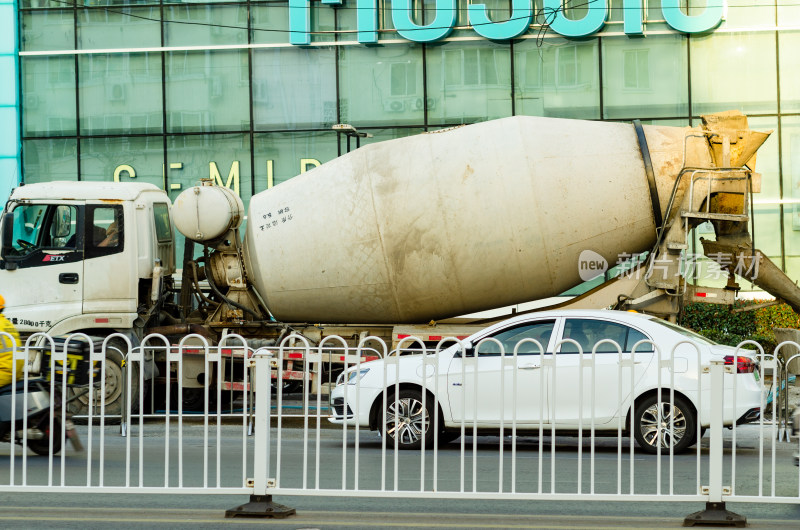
(468, 350)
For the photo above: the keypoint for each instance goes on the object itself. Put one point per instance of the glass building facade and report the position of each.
(170, 92)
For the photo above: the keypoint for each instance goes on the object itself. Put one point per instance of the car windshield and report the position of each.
(685, 332)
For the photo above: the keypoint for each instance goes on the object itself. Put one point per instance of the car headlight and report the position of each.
(352, 376)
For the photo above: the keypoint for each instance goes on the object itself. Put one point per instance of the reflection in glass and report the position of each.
(382, 85)
(734, 71)
(47, 30)
(645, 77)
(207, 91)
(48, 160)
(101, 159)
(294, 88)
(48, 85)
(468, 82)
(120, 93)
(223, 157)
(205, 25)
(557, 78)
(119, 28)
(281, 156)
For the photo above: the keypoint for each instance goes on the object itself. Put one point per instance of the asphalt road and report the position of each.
(176, 510)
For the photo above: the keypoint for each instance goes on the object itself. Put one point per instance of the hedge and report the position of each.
(720, 324)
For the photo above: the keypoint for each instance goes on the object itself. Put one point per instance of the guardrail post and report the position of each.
(261, 504)
(715, 512)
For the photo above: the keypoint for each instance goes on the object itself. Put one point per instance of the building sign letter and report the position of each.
(594, 20)
(305, 162)
(233, 176)
(517, 24)
(679, 21)
(127, 169)
(441, 27)
(300, 22)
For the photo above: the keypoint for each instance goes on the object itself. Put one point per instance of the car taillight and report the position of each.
(744, 365)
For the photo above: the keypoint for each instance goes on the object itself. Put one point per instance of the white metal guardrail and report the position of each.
(532, 448)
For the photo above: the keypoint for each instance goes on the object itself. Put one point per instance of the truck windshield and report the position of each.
(43, 226)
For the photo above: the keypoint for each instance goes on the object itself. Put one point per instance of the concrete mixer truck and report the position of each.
(394, 234)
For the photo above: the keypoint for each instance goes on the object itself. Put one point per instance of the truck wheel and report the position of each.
(649, 433)
(114, 387)
(404, 420)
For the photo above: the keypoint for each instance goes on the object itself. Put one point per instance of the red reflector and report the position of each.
(701, 295)
(435, 337)
(402, 336)
(462, 337)
(295, 356)
(101, 321)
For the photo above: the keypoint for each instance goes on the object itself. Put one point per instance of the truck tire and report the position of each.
(114, 386)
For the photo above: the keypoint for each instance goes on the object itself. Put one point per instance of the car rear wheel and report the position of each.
(408, 421)
(675, 426)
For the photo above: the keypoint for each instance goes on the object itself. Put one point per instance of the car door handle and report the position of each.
(530, 367)
(68, 277)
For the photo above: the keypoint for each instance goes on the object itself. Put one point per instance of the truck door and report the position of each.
(43, 277)
(109, 286)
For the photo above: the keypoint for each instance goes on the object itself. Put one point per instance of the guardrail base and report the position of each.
(261, 506)
(715, 514)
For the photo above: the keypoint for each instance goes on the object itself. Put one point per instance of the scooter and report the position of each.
(36, 434)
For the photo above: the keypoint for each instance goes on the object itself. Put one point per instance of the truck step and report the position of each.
(715, 216)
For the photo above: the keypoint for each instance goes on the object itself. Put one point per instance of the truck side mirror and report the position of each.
(6, 240)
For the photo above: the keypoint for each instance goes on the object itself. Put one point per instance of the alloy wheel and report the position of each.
(406, 420)
(667, 430)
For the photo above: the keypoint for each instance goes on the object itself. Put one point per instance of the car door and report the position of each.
(612, 380)
(43, 277)
(488, 383)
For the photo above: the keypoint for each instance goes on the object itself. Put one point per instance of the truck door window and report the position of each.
(105, 231)
(44, 227)
(161, 217)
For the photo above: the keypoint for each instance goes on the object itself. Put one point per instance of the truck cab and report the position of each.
(80, 255)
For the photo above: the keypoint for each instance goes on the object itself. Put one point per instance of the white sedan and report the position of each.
(499, 377)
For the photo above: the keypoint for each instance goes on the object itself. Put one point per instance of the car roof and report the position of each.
(581, 313)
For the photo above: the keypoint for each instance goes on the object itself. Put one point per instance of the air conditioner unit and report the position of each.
(115, 92)
(394, 105)
(419, 103)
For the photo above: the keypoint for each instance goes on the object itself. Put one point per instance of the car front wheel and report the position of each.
(408, 421)
(675, 426)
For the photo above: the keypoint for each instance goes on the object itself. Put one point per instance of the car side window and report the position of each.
(539, 330)
(635, 336)
(588, 332)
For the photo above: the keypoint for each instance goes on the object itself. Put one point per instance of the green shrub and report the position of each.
(720, 324)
